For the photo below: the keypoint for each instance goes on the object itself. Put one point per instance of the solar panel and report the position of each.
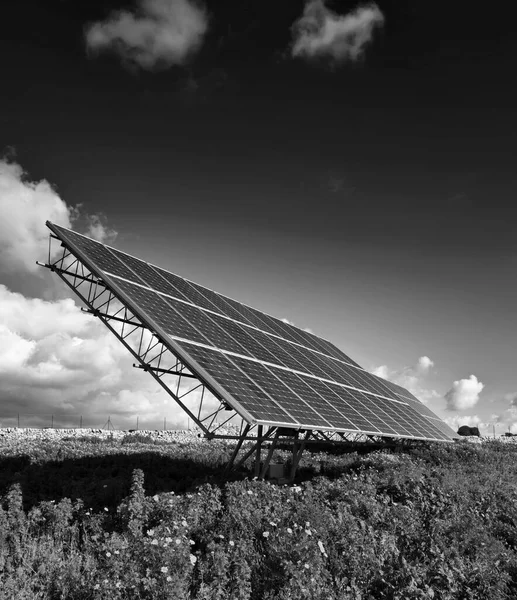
(269, 371)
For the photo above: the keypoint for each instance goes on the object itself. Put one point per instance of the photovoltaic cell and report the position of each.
(239, 385)
(251, 356)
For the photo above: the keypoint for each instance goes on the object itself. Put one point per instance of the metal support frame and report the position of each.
(201, 404)
(207, 409)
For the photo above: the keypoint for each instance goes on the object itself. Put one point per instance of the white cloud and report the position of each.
(511, 398)
(320, 32)
(471, 420)
(160, 34)
(98, 229)
(25, 206)
(464, 393)
(424, 364)
(410, 378)
(56, 359)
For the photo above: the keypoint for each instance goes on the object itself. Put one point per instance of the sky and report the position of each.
(348, 167)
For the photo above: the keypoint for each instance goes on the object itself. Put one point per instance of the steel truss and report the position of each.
(207, 409)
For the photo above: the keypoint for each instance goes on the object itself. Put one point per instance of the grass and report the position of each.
(104, 519)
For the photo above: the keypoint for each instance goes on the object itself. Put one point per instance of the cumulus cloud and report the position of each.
(25, 206)
(472, 421)
(161, 33)
(54, 358)
(410, 378)
(424, 364)
(320, 32)
(464, 393)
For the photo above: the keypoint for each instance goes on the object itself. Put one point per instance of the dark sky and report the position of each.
(373, 201)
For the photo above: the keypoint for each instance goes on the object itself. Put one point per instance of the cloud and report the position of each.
(322, 33)
(511, 398)
(410, 378)
(56, 359)
(472, 421)
(424, 364)
(25, 206)
(464, 393)
(160, 34)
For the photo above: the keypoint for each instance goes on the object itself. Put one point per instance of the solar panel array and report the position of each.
(269, 371)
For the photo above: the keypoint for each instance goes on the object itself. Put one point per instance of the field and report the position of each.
(87, 518)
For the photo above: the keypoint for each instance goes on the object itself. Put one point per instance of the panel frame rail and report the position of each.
(205, 405)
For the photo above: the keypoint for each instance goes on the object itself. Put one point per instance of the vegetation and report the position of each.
(95, 520)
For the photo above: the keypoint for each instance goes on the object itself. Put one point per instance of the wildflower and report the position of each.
(154, 542)
(178, 541)
(108, 554)
(164, 569)
(289, 530)
(118, 584)
(321, 546)
(250, 492)
(306, 566)
(184, 523)
(96, 586)
(272, 524)
(150, 532)
(168, 540)
(106, 509)
(193, 559)
(232, 543)
(220, 536)
(265, 534)
(116, 552)
(192, 542)
(169, 578)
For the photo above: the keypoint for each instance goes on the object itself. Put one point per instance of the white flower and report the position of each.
(306, 566)
(164, 569)
(193, 559)
(154, 542)
(169, 578)
(232, 543)
(321, 546)
(116, 552)
(265, 534)
(168, 540)
(150, 532)
(178, 541)
(184, 523)
(250, 492)
(156, 498)
(106, 509)
(192, 542)
(108, 554)
(289, 530)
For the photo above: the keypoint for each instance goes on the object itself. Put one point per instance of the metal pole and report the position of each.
(256, 472)
(18, 420)
(81, 422)
(137, 423)
(52, 422)
(164, 423)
